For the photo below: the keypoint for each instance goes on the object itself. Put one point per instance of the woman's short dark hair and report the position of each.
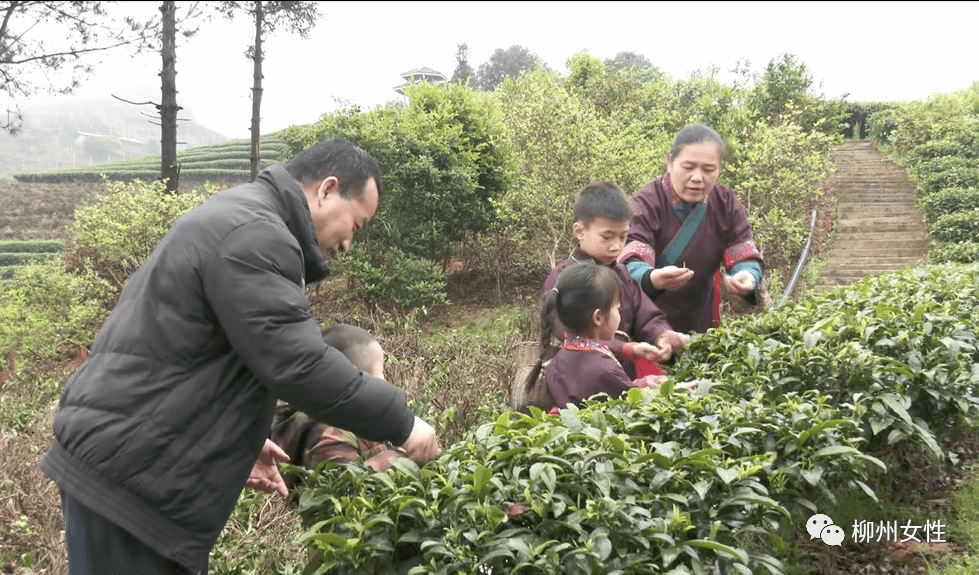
(349, 164)
(698, 134)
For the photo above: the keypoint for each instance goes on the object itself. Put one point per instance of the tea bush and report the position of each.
(897, 353)
(962, 176)
(948, 201)
(962, 226)
(393, 277)
(963, 252)
(114, 235)
(930, 168)
(45, 306)
(31, 246)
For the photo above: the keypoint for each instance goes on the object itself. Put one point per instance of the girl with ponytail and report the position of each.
(586, 299)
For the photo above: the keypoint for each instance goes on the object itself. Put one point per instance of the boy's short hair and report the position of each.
(353, 342)
(602, 200)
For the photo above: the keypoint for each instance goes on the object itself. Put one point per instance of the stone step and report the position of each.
(835, 270)
(870, 196)
(871, 261)
(869, 235)
(884, 220)
(910, 227)
(848, 208)
(873, 251)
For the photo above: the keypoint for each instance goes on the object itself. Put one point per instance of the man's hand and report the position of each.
(655, 353)
(741, 283)
(422, 446)
(675, 340)
(670, 277)
(265, 474)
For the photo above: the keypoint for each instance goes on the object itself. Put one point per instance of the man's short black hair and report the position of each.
(602, 200)
(349, 164)
(352, 342)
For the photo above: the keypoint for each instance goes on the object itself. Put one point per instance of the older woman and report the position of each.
(684, 226)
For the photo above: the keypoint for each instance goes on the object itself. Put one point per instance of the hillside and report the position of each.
(79, 131)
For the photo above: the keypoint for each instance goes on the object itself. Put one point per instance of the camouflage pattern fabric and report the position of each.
(309, 442)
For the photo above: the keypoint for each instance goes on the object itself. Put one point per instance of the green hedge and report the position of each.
(941, 148)
(934, 166)
(949, 201)
(957, 177)
(31, 246)
(217, 158)
(23, 258)
(960, 226)
(963, 252)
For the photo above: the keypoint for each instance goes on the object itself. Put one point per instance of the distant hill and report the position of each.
(83, 131)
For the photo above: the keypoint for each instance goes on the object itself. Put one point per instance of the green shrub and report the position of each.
(962, 226)
(116, 233)
(957, 177)
(949, 201)
(897, 352)
(31, 246)
(654, 482)
(44, 306)
(961, 147)
(22, 258)
(939, 165)
(394, 277)
(443, 159)
(881, 124)
(961, 252)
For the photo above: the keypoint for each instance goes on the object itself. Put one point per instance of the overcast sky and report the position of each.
(870, 50)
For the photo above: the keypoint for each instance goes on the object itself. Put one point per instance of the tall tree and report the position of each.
(463, 72)
(52, 47)
(170, 170)
(297, 17)
(638, 63)
(507, 63)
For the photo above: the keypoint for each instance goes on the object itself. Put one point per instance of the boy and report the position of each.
(602, 213)
(308, 442)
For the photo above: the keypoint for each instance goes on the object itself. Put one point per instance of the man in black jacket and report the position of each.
(165, 422)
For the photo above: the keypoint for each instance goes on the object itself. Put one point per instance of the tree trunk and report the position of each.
(257, 89)
(169, 171)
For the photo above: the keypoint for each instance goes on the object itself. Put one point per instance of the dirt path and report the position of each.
(877, 226)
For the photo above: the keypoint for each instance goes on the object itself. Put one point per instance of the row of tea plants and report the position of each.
(792, 406)
(938, 140)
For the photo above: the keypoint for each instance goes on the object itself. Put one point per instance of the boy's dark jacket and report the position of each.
(160, 427)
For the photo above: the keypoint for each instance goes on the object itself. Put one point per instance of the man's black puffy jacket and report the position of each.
(160, 427)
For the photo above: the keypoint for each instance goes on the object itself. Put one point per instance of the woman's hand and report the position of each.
(741, 283)
(670, 277)
(654, 381)
(690, 386)
(675, 340)
(655, 353)
(265, 474)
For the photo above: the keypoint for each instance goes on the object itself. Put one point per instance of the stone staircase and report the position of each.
(878, 228)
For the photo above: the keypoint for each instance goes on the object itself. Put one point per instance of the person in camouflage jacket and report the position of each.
(309, 442)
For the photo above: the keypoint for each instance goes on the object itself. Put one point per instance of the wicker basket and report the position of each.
(527, 387)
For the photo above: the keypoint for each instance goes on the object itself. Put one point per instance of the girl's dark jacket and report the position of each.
(160, 427)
